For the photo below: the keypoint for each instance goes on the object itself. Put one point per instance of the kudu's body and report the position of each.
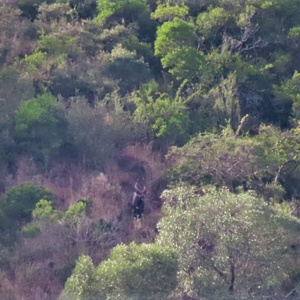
(137, 202)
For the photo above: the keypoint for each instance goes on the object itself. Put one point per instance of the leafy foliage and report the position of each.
(96, 134)
(226, 243)
(165, 117)
(290, 90)
(74, 228)
(167, 12)
(82, 284)
(86, 84)
(30, 7)
(128, 8)
(234, 161)
(20, 201)
(131, 272)
(41, 127)
(175, 43)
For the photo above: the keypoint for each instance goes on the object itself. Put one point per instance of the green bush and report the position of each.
(227, 244)
(41, 129)
(145, 271)
(97, 134)
(128, 9)
(30, 8)
(166, 116)
(82, 284)
(20, 201)
(130, 73)
(31, 230)
(86, 9)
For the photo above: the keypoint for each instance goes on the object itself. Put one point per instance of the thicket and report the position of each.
(212, 86)
(146, 271)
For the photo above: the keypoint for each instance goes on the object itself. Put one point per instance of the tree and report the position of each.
(241, 161)
(128, 23)
(175, 43)
(227, 243)
(128, 9)
(86, 9)
(168, 11)
(165, 116)
(53, 52)
(60, 237)
(145, 271)
(131, 73)
(289, 90)
(41, 128)
(30, 7)
(96, 133)
(211, 42)
(13, 90)
(73, 227)
(20, 201)
(16, 40)
(82, 284)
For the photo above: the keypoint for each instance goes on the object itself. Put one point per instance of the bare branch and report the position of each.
(285, 163)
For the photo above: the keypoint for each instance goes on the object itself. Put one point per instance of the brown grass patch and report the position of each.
(69, 184)
(110, 193)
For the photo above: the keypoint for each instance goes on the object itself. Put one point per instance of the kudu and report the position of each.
(137, 202)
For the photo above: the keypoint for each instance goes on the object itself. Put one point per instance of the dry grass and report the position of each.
(144, 230)
(20, 47)
(8, 287)
(153, 162)
(69, 184)
(9, 2)
(110, 193)
(31, 281)
(63, 181)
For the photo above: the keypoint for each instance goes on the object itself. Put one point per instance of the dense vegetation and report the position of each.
(196, 100)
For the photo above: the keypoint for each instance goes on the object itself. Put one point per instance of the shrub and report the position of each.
(31, 230)
(20, 201)
(145, 271)
(165, 116)
(41, 128)
(131, 73)
(30, 7)
(97, 133)
(227, 243)
(82, 284)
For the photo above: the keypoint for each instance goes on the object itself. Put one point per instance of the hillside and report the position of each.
(149, 149)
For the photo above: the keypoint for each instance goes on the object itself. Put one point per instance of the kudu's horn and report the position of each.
(137, 188)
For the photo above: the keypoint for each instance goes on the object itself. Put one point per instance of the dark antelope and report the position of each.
(137, 202)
